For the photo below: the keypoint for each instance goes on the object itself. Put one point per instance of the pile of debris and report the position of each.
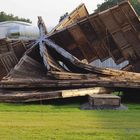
(51, 66)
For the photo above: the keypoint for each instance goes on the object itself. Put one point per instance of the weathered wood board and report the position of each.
(37, 95)
(104, 100)
(10, 54)
(74, 16)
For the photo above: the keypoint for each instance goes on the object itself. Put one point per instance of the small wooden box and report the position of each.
(104, 100)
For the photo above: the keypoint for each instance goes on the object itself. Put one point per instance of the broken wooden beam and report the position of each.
(96, 82)
(40, 95)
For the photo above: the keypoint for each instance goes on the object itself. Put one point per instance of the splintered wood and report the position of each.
(50, 68)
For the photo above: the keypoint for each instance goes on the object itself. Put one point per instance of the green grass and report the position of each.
(67, 122)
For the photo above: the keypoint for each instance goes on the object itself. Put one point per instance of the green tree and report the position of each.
(9, 17)
(136, 5)
(110, 3)
(63, 16)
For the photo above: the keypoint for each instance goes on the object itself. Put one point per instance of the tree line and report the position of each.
(110, 3)
(9, 17)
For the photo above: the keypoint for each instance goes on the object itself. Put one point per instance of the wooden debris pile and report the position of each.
(45, 69)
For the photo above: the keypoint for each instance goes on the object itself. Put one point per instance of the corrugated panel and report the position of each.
(109, 63)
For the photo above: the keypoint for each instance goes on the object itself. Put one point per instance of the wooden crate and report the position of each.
(104, 100)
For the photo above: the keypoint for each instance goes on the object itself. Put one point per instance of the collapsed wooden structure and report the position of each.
(47, 68)
(112, 33)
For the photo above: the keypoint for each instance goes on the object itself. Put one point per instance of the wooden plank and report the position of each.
(84, 92)
(70, 76)
(9, 61)
(114, 82)
(33, 95)
(27, 96)
(75, 15)
(18, 48)
(131, 15)
(67, 42)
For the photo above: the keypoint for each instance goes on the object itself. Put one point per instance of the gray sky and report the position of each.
(50, 10)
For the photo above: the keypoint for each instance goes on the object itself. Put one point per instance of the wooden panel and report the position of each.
(76, 52)
(102, 52)
(119, 23)
(131, 15)
(118, 36)
(66, 41)
(98, 26)
(94, 41)
(18, 48)
(83, 11)
(8, 60)
(81, 40)
(100, 45)
(4, 46)
(2, 71)
(75, 15)
(109, 21)
(119, 17)
(8, 55)
(88, 31)
(125, 19)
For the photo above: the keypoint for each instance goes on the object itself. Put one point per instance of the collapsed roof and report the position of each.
(112, 33)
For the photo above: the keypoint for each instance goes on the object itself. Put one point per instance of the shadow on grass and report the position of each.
(127, 96)
(64, 101)
(131, 95)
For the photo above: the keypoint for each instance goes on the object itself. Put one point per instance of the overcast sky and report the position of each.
(50, 10)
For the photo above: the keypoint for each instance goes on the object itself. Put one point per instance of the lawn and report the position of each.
(67, 122)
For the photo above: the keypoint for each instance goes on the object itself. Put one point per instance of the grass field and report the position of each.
(67, 122)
